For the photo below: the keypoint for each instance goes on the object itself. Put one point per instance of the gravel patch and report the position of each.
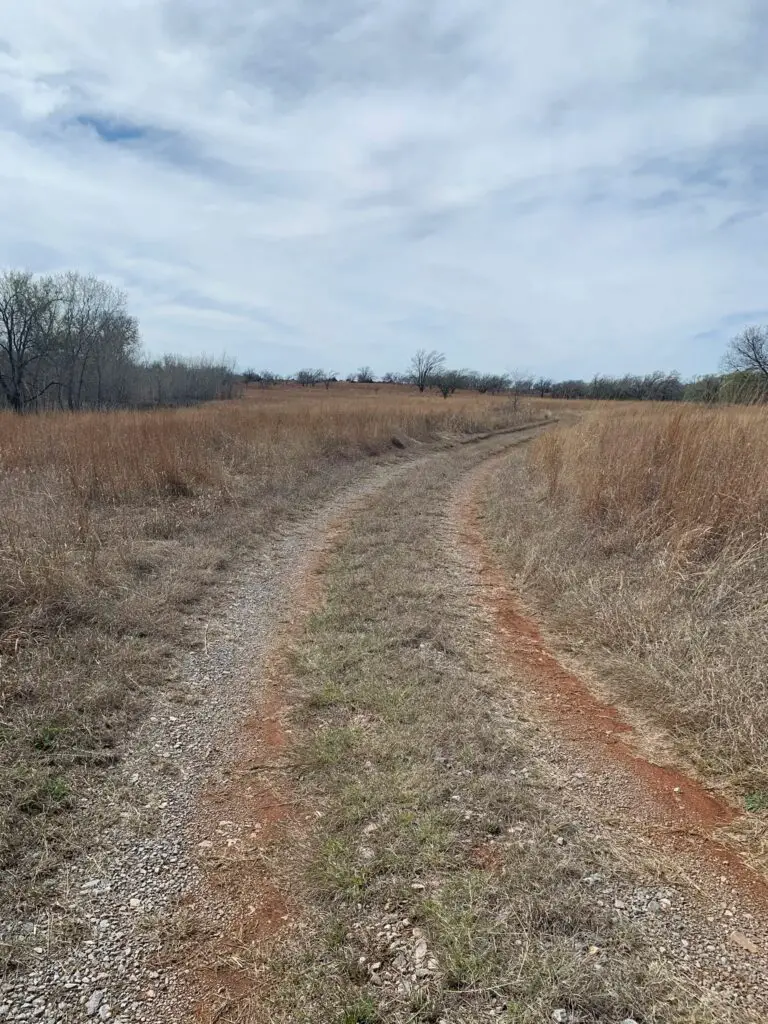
(94, 955)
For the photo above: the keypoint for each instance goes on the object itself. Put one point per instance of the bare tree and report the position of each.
(365, 375)
(449, 381)
(93, 324)
(308, 377)
(425, 366)
(749, 351)
(28, 310)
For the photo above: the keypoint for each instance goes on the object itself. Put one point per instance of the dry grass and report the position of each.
(643, 534)
(114, 525)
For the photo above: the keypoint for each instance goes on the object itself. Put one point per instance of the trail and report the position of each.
(660, 826)
(197, 912)
(168, 870)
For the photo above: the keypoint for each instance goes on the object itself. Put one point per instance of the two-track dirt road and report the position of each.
(406, 809)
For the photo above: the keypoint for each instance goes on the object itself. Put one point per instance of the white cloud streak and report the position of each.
(566, 187)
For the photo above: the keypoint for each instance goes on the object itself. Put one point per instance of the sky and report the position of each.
(553, 187)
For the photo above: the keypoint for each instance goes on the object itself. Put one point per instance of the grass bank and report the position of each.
(641, 536)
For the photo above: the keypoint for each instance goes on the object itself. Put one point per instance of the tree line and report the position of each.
(744, 379)
(67, 341)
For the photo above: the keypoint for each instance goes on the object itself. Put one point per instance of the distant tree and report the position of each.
(542, 385)
(251, 377)
(449, 381)
(331, 377)
(425, 366)
(491, 383)
(703, 389)
(748, 351)
(309, 377)
(743, 387)
(28, 320)
(365, 375)
(520, 384)
(570, 389)
(394, 378)
(663, 387)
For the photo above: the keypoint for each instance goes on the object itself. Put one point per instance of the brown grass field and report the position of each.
(114, 527)
(641, 535)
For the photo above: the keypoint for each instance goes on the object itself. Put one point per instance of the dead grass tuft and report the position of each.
(643, 534)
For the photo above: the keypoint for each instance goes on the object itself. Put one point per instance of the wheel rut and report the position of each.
(657, 805)
(661, 825)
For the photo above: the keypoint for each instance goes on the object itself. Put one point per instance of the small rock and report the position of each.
(740, 939)
(93, 1004)
(560, 1016)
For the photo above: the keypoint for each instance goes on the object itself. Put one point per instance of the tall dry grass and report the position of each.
(697, 477)
(642, 535)
(115, 524)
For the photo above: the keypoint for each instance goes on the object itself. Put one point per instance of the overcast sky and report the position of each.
(560, 186)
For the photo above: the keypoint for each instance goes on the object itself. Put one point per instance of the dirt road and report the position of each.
(413, 811)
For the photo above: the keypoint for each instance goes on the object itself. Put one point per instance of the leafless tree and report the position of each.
(425, 366)
(69, 340)
(749, 351)
(28, 310)
(308, 377)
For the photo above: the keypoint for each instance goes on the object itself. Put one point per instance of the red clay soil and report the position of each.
(245, 904)
(246, 899)
(685, 814)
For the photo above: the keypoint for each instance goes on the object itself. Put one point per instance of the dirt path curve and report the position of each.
(184, 864)
(653, 812)
(663, 799)
(101, 951)
(665, 872)
(687, 893)
(183, 923)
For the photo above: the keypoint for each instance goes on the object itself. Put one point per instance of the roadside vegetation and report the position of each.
(115, 525)
(641, 535)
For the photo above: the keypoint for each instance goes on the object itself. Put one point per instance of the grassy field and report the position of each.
(115, 525)
(641, 535)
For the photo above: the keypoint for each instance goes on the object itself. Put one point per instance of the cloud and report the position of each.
(571, 188)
